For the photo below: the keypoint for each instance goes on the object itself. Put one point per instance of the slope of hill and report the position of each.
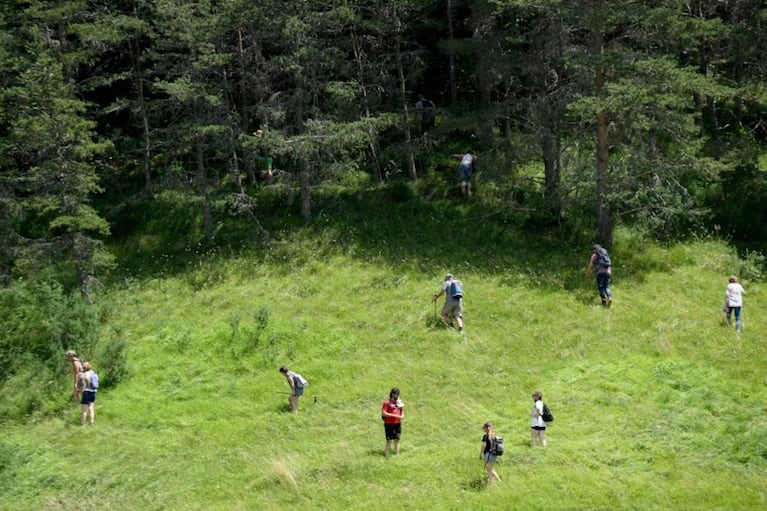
(657, 404)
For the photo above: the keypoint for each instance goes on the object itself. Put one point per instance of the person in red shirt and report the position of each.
(392, 413)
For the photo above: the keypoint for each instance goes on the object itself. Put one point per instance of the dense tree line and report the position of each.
(642, 111)
(593, 112)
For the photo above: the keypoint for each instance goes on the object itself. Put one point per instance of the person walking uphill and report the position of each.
(453, 308)
(392, 413)
(466, 169)
(297, 384)
(600, 260)
(734, 297)
(487, 454)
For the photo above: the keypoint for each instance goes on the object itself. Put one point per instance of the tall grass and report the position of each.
(657, 404)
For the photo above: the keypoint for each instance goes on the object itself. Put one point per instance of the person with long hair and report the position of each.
(489, 459)
(88, 401)
(392, 413)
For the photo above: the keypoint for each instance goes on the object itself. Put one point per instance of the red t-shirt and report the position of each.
(391, 407)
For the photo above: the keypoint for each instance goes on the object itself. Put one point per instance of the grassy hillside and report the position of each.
(657, 404)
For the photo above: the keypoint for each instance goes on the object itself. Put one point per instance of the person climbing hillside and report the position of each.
(600, 260)
(453, 308)
(734, 299)
(487, 453)
(466, 169)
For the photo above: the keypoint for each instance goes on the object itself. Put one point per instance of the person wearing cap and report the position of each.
(453, 308)
(77, 368)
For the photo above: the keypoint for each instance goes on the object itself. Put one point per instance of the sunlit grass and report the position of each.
(657, 404)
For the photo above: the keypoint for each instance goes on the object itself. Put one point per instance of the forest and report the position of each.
(218, 116)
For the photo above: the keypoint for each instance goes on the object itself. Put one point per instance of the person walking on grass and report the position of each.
(538, 428)
(297, 384)
(600, 260)
(77, 369)
(90, 385)
(485, 454)
(453, 308)
(392, 413)
(466, 169)
(734, 299)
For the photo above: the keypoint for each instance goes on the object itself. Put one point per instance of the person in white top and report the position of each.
(538, 427)
(734, 297)
(466, 169)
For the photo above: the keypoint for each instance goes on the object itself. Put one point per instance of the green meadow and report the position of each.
(658, 404)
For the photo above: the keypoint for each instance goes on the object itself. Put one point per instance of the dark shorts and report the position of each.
(465, 172)
(393, 431)
(539, 428)
(298, 391)
(89, 397)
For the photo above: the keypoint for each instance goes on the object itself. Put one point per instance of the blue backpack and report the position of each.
(456, 289)
(94, 381)
(603, 258)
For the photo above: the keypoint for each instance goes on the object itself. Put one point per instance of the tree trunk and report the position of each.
(405, 110)
(451, 56)
(246, 159)
(303, 178)
(145, 132)
(550, 145)
(604, 225)
(207, 217)
(373, 145)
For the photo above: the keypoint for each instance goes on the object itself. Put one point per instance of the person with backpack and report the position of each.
(453, 308)
(392, 413)
(538, 427)
(489, 452)
(297, 384)
(734, 301)
(90, 386)
(600, 260)
(77, 368)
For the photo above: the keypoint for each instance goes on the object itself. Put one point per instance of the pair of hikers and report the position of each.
(492, 444)
(452, 289)
(86, 384)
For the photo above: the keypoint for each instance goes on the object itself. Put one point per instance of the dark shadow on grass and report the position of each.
(475, 484)
(399, 224)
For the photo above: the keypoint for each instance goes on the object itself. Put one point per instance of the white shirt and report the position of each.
(735, 294)
(537, 418)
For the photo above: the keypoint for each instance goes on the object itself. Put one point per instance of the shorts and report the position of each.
(489, 457)
(89, 396)
(454, 308)
(298, 391)
(465, 173)
(393, 431)
(539, 428)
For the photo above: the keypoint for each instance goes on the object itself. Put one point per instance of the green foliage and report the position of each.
(39, 324)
